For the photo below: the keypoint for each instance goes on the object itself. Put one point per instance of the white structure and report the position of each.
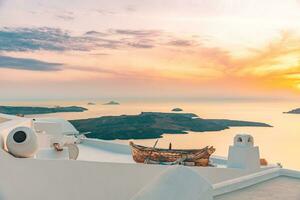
(22, 142)
(54, 126)
(105, 170)
(187, 179)
(243, 154)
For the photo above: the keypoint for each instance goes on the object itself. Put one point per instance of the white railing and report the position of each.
(245, 181)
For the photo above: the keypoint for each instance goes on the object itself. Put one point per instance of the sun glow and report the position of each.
(194, 45)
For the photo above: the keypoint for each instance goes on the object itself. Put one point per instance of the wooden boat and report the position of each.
(152, 155)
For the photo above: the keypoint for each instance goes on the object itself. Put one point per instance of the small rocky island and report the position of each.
(23, 110)
(294, 111)
(177, 110)
(112, 103)
(152, 125)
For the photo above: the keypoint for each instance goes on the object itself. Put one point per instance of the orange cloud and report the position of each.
(182, 65)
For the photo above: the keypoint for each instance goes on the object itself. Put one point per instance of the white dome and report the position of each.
(22, 142)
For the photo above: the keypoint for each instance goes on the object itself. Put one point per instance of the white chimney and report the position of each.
(243, 154)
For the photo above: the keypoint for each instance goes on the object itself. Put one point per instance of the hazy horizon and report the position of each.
(194, 49)
(103, 99)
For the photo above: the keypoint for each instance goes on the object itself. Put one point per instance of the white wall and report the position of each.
(60, 179)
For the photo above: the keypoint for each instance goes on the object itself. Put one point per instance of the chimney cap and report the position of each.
(243, 140)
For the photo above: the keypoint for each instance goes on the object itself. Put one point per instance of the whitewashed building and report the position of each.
(105, 170)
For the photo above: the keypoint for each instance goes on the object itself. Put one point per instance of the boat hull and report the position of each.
(194, 157)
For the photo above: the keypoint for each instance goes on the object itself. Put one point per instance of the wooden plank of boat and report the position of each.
(202, 162)
(142, 154)
(179, 161)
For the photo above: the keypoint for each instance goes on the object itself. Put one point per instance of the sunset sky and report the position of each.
(151, 49)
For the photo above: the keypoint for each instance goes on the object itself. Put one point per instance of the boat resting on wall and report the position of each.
(152, 155)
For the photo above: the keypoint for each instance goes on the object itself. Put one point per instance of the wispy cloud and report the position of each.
(100, 54)
(181, 43)
(54, 39)
(104, 12)
(140, 45)
(130, 8)
(96, 70)
(143, 33)
(28, 64)
(67, 16)
(275, 65)
(140, 42)
(44, 38)
(279, 55)
(95, 34)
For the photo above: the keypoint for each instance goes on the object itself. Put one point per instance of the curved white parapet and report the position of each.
(245, 181)
(290, 173)
(177, 183)
(22, 142)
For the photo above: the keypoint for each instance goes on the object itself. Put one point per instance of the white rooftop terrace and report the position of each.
(92, 153)
(3, 120)
(274, 189)
(110, 152)
(104, 167)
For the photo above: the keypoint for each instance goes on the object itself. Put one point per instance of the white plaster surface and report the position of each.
(3, 119)
(35, 179)
(216, 175)
(281, 188)
(94, 153)
(177, 182)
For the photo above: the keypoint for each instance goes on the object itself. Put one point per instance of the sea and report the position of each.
(277, 144)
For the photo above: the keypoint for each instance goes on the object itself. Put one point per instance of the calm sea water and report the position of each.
(280, 143)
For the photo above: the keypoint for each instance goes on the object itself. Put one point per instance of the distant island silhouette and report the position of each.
(294, 111)
(24, 110)
(177, 110)
(152, 125)
(112, 103)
